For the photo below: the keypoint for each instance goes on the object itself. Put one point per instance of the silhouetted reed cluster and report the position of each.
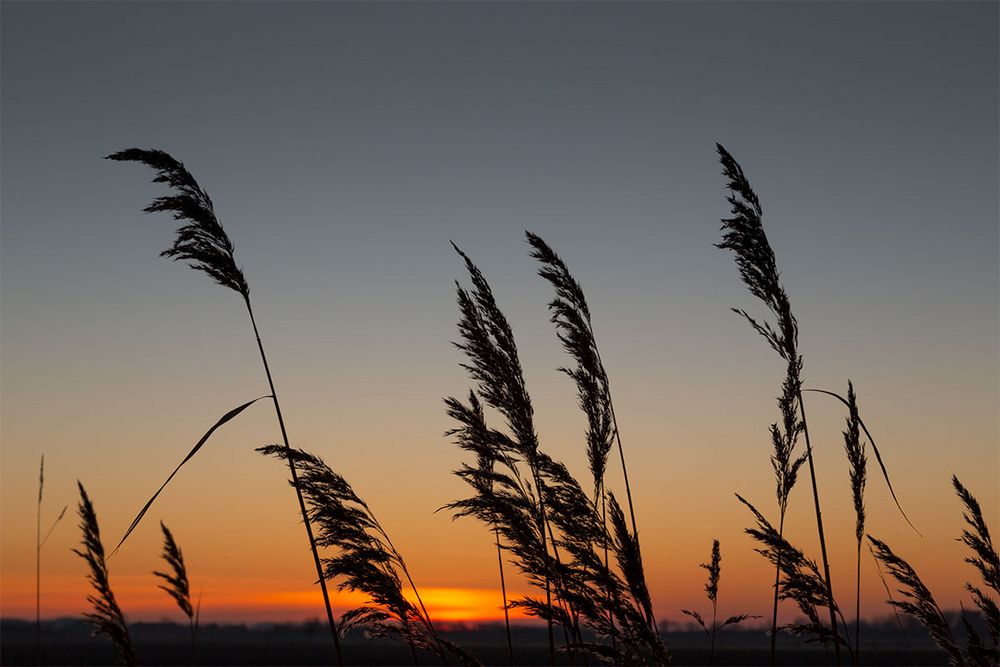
(571, 541)
(555, 532)
(205, 246)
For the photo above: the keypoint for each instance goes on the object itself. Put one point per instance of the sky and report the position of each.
(346, 144)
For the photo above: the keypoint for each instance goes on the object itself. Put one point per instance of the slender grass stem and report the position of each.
(777, 584)
(819, 526)
(38, 564)
(503, 591)
(298, 492)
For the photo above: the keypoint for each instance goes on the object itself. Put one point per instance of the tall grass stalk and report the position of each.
(801, 581)
(494, 364)
(574, 326)
(176, 584)
(204, 245)
(919, 603)
(743, 234)
(555, 531)
(714, 569)
(106, 618)
(39, 542)
(854, 446)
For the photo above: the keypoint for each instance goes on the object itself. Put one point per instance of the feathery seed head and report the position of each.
(201, 241)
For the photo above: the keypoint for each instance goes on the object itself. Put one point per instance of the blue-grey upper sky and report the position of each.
(345, 145)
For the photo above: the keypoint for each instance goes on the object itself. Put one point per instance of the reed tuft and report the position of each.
(714, 569)
(366, 560)
(176, 581)
(918, 601)
(801, 581)
(106, 618)
(201, 242)
(552, 528)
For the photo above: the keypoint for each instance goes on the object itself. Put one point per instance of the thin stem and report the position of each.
(857, 612)
(715, 627)
(621, 456)
(607, 575)
(38, 573)
(777, 583)
(503, 590)
(298, 492)
(819, 526)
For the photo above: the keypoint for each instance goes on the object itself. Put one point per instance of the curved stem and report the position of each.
(298, 492)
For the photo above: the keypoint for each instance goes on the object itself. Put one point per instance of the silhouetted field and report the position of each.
(68, 641)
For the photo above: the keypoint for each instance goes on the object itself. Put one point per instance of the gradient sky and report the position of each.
(346, 144)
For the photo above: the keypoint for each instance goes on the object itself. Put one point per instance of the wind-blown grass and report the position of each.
(106, 618)
(854, 446)
(574, 326)
(714, 569)
(552, 528)
(366, 559)
(919, 603)
(203, 243)
(743, 234)
(176, 583)
(801, 581)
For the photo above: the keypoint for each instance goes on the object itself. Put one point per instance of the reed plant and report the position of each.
(39, 543)
(203, 244)
(106, 618)
(918, 602)
(176, 584)
(571, 316)
(366, 560)
(857, 459)
(554, 531)
(801, 582)
(743, 234)
(714, 569)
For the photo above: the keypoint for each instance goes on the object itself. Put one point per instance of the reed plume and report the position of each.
(39, 542)
(919, 603)
(486, 465)
(714, 569)
(743, 234)
(917, 600)
(106, 618)
(176, 581)
(203, 243)
(801, 581)
(854, 446)
(366, 560)
(984, 559)
(494, 364)
(552, 528)
(574, 327)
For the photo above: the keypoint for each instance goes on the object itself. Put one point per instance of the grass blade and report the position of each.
(878, 455)
(229, 416)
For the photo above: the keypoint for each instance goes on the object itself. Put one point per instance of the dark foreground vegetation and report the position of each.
(574, 541)
(69, 641)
